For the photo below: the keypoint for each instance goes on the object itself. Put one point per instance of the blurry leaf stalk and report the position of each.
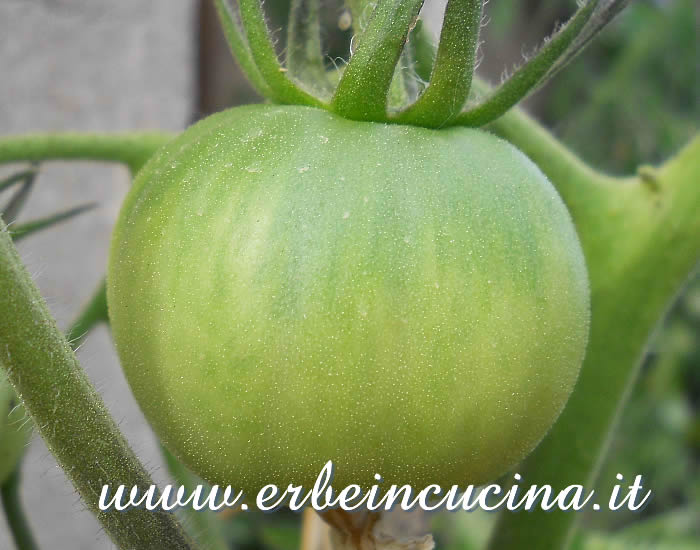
(640, 235)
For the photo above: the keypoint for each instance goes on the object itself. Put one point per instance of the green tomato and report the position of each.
(287, 287)
(15, 429)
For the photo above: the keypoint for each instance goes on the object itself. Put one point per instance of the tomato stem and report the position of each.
(640, 244)
(69, 413)
(131, 149)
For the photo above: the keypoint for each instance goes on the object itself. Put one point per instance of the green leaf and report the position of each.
(675, 530)
(14, 514)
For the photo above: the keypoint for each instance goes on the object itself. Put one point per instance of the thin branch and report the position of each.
(20, 231)
(131, 149)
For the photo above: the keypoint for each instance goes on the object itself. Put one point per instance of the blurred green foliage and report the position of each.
(634, 95)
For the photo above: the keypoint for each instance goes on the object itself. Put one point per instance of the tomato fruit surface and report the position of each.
(287, 287)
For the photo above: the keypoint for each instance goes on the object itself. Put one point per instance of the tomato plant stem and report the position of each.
(131, 149)
(641, 241)
(16, 520)
(69, 413)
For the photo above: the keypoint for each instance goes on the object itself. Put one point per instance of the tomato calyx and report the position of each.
(378, 81)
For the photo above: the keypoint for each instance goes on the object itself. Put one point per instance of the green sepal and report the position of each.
(238, 44)
(452, 73)
(282, 89)
(364, 87)
(529, 76)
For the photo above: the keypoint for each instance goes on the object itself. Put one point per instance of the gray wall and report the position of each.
(95, 65)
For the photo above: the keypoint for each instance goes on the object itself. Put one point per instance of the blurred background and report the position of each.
(632, 98)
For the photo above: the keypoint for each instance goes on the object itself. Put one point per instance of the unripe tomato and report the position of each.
(287, 287)
(15, 429)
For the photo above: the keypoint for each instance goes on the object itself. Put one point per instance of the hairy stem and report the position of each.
(68, 412)
(131, 149)
(641, 238)
(16, 520)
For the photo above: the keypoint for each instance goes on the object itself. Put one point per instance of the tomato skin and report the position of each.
(287, 287)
